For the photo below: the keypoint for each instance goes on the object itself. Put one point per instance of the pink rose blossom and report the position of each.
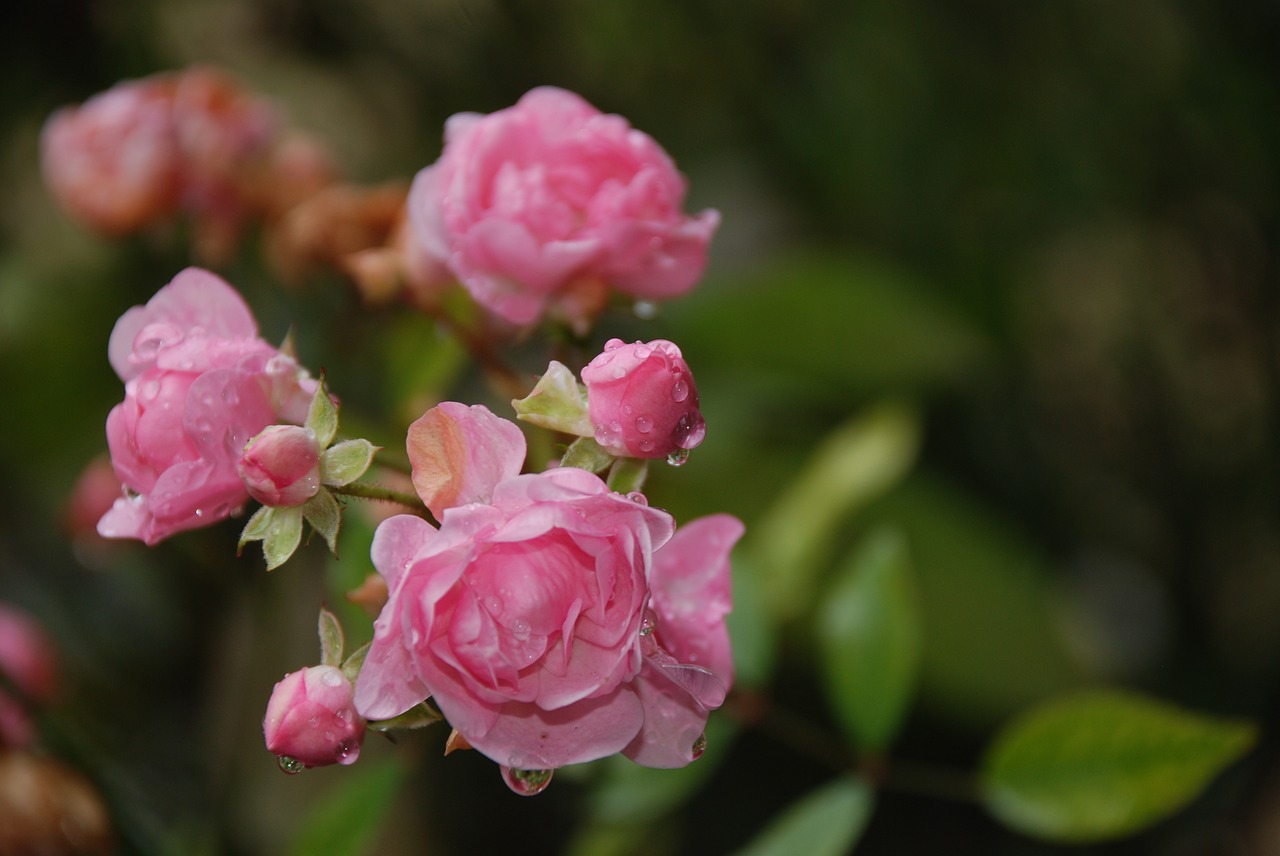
(642, 400)
(310, 718)
(281, 465)
(528, 203)
(198, 384)
(523, 615)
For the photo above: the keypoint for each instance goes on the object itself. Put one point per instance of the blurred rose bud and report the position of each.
(642, 400)
(281, 465)
(28, 665)
(311, 721)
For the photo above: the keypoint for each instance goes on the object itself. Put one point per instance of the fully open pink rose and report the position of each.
(642, 400)
(523, 615)
(199, 384)
(536, 202)
(310, 718)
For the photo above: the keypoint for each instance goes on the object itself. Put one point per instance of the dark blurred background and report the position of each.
(1051, 227)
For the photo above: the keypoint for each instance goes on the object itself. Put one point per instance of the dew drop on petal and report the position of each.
(679, 391)
(526, 783)
(292, 766)
(331, 678)
(699, 746)
(638, 497)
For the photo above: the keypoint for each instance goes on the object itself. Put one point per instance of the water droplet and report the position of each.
(678, 457)
(619, 372)
(332, 678)
(526, 783)
(690, 430)
(292, 766)
(638, 497)
(646, 625)
(347, 750)
(644, 424)
(493, 604)
(199, 512)
(699, 746)
(520, 629)
(643, 352)
(613, 344)
(344, 715)
(679, 390)
(646, 446)
(313, 721)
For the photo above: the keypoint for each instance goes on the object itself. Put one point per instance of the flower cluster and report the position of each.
(545, 610)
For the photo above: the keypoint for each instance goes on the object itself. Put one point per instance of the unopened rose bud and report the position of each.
(281, 465)
(311, 721)
(642, 400)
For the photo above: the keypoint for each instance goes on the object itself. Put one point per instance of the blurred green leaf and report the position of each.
(856, 463)
(993, 642)
(421, 363)
(826, 822)
(754, 638)
(870, 640)
(348, 821)
(1104, 764)
(834, 324)
(331, 642)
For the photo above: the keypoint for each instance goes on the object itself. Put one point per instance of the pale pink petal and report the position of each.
(460, 453)
(673, 721)
(397, 542)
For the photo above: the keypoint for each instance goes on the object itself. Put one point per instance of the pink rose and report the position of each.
(528, 203)
(198, 384)
(524, 614)
(310, 718)
(281, 465)
(114, 162)
(642, 400)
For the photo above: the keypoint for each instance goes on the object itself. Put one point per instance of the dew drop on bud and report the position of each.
(679, 391)
(678, 457)
(644, 424)
(292, 766)
(347, 750)
(699, 746)
(526, 783)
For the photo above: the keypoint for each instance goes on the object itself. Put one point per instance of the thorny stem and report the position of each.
(880, 771)
(367, 490)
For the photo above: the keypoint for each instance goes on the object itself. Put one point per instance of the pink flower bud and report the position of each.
(642, 400)
(311, 720)
(281, 466)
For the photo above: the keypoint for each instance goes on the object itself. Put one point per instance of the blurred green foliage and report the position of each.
(1049, 226)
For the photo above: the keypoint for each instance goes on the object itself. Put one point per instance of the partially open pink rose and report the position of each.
(310, 718)
(642, 400)
(198, 384)
(528, 203)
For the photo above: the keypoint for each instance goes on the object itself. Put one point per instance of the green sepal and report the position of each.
(586, 454)
(257, 527)
(347, 461)
(283, 536)
(628, 474)
(557, 402)
(351, 666)
(325, 516)
(331, 639)
(419, 716)
(322, 416)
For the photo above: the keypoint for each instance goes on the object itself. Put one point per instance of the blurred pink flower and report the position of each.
(28, 663)
(527, 204)
(310, 718)
(199, 384)
(642, 400)
(281, 465)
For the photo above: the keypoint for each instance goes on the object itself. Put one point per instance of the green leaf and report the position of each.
(347, 461)
(322, 416)
(1103, 764)
(870, 640)
(856, 463)
(419, 716)
(351, 668)
(325, 516)
(586, 454)
(557, 402)
(331, 641)
(628, 474)
(826, 822)
(347, 822)
(283, 538)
